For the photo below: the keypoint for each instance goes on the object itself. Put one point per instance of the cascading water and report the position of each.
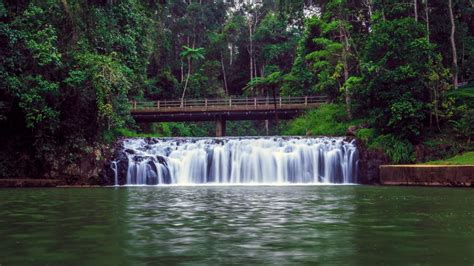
(275, 160)
(113, 166)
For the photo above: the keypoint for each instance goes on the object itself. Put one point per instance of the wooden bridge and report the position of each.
(220, 110)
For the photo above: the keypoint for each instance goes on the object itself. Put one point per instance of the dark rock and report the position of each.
(151, 141)
(30, 182)
(151, 174)
(129, 151)
(352, 131)
(121, 159)
(369, 162)
(161, 160)
(166, 175)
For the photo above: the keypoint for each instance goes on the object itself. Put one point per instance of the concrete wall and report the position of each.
(427, 175)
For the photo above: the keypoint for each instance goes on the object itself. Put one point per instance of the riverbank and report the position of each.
(29, 182)
(427, 175)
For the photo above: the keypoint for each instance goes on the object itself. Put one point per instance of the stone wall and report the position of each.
(427, 175)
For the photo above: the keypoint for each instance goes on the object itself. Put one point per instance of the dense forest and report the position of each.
(396, 71)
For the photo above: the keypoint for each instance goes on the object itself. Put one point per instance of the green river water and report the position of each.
(348, 225)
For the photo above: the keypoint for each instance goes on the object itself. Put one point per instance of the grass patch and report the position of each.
(399, 151)
(462, 159)
(464, 95)
(327, 120)
(111, 135)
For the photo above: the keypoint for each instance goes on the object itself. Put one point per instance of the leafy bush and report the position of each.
(328, 120)
(399, 151)
(366, 134)
(464, 96)
(464, 125)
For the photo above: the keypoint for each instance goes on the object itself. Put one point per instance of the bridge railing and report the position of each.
(228, 103)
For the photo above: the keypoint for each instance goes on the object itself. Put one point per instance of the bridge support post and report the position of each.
(220, 127)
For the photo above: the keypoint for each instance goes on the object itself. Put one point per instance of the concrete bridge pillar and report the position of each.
(220, 127)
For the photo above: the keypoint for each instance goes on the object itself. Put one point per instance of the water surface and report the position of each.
(237, 225)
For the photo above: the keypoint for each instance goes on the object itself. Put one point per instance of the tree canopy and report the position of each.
(69, 68)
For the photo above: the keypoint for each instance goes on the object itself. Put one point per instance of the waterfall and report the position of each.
(272, 160)
(113, 166)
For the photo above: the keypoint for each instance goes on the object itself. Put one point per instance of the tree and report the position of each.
(268, 83)
(453, 44)
(219, 42)
(330, 59)
(190, 54)
(397, 67)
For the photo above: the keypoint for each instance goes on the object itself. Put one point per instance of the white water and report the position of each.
(275, 160)
(113, 166)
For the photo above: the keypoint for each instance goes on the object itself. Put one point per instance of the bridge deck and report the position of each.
(220, 110)
(227, 105)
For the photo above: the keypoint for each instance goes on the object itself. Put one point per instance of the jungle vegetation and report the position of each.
(398, 70)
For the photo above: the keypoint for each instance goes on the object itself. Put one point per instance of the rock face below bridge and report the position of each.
(427, 175)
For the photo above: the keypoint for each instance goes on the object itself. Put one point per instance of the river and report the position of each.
(197, 225)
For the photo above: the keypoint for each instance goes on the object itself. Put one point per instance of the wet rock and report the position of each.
(121, 159)
(161, 160)
(369, 163)
(151, 174)
(151, 141)
(129, 151)
(166, 175)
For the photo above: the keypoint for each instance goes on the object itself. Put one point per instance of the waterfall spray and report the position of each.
(276, 160)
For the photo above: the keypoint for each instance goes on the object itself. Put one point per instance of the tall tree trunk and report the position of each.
(251, 51)
(186, 83)
(427, 18)
(182, 71)
(462, 61)
(255, 67)
(416, 9)
(275, 104)
(224, 75)
(369, 6)
(345, 52)
(436, 108)
(453, 44)
(253, 48)
(71, 20)
(231, 57)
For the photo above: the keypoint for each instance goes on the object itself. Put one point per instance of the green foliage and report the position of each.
(268, 83)
(399, 151)
(193, 53)
(325, 59)
(327, 120)
(109, 79)
(40, 37)
(32, 99)
(276, 42)
(112, 135)
(463, 126)
(463, 96)
(366, 134)
(162, 86)
(69, 68)
(397, 66)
